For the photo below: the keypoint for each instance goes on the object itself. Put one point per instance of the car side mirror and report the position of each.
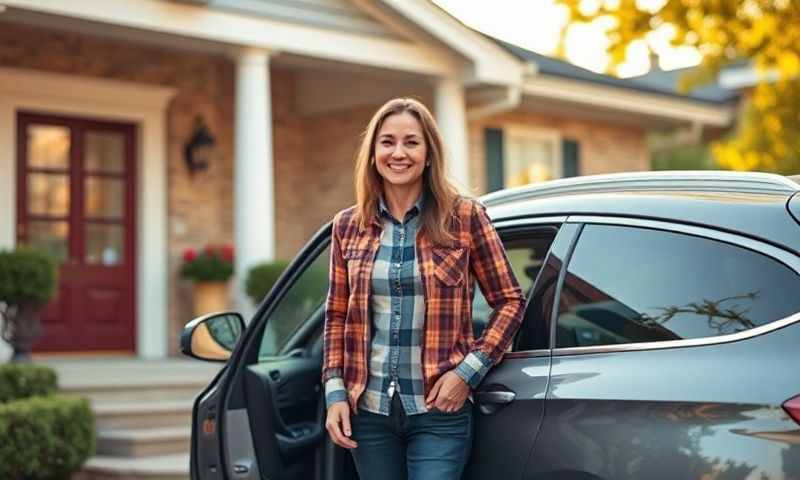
(212, 337)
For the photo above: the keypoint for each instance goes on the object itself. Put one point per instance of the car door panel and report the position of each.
(262, 417)
(614, 417)
(505, 434)
(668, 366)
(506, 425)
(287, 424)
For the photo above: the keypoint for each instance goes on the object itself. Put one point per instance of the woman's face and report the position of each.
(400, 150)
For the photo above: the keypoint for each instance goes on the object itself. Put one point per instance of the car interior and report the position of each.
(278, 384)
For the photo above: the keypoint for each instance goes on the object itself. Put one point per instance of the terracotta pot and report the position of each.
(210, 297)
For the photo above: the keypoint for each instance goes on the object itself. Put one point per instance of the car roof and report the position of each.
(749, 203)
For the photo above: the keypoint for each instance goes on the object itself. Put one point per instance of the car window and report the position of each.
(303, 299)
(526, 251)
(627, 284)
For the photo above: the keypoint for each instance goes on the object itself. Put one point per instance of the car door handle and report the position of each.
(500, 397)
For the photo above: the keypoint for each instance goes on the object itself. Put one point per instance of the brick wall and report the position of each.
(603, 148)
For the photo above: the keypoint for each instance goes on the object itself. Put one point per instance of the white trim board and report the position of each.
(237, 30)
(142, 104)
(628, 100)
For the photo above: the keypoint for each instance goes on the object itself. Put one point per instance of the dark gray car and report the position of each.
(661, 340)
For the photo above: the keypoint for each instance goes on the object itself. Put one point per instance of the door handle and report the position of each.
(500, 397)
(490, 401)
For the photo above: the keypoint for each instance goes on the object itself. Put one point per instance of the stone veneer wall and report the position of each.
(603, 148)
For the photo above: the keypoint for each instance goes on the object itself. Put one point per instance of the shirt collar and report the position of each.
(383, 210)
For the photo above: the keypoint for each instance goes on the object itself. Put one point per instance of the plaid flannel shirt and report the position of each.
(398, 314)
(448, 275)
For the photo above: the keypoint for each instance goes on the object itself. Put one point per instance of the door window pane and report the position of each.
(105, 152)
(629, 284)
(105, 244)
(105, 197)
(526, 253)
(48, 194)
(48, 147)
(306, 297)
(52, 237)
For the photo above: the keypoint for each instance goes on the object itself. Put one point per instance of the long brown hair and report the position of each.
(440, 194)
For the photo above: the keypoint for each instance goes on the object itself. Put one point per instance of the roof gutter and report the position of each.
(512, 96)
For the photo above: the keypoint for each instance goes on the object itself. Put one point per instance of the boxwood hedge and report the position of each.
(45, 436)
(25, 380)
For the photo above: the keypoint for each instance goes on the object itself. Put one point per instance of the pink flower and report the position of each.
(209, 250)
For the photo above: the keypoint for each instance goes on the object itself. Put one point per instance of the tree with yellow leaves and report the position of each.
(764, 32)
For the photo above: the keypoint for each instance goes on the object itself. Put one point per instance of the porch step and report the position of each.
(142, 414)
(158, 467)
(138, 389)
(143, 442)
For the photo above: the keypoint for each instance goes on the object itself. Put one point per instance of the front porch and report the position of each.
(286, 128)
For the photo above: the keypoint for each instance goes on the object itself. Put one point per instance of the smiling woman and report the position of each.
(399, 351)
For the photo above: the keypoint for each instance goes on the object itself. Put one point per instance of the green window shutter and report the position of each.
(571, 154)
(493, 140)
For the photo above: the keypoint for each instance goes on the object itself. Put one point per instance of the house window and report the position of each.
(530, 156)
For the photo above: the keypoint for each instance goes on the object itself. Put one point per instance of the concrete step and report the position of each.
(131, 380)
(144, 442)
(160, 467)
(133, 390)
(142, 414)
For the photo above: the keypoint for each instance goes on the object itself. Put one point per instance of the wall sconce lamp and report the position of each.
(200, 148)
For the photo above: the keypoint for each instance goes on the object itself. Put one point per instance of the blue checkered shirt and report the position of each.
(398, 315)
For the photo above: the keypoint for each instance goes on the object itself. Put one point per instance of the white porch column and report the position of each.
(254, 199)
(450, 111)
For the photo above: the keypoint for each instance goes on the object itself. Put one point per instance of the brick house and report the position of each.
(99, 98)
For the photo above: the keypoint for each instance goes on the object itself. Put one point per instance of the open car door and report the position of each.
(263, 416)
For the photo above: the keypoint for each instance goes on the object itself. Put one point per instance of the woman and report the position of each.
(400, 358)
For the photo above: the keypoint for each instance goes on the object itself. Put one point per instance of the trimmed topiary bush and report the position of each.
(262, 277)
(23, 380)
(27, 275)
(45, 438)
(28, 280)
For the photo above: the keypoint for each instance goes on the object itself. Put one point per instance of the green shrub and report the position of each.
(262, 277)
(45, 437)
(23, 380)
(27, 275)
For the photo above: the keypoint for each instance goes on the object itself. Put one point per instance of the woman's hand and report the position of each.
(338, 425)
(448, 393)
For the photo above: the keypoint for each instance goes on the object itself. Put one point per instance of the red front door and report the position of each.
(75, 199)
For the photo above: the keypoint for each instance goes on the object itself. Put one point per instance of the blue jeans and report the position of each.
(432, 445)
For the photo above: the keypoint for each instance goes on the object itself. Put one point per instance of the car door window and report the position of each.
(302, 300)
(526, 250)
(630, 285)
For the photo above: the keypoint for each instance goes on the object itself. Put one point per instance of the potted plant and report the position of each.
(28, 279)
(210, 269)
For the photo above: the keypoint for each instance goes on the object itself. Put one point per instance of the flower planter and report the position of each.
(210, 297)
